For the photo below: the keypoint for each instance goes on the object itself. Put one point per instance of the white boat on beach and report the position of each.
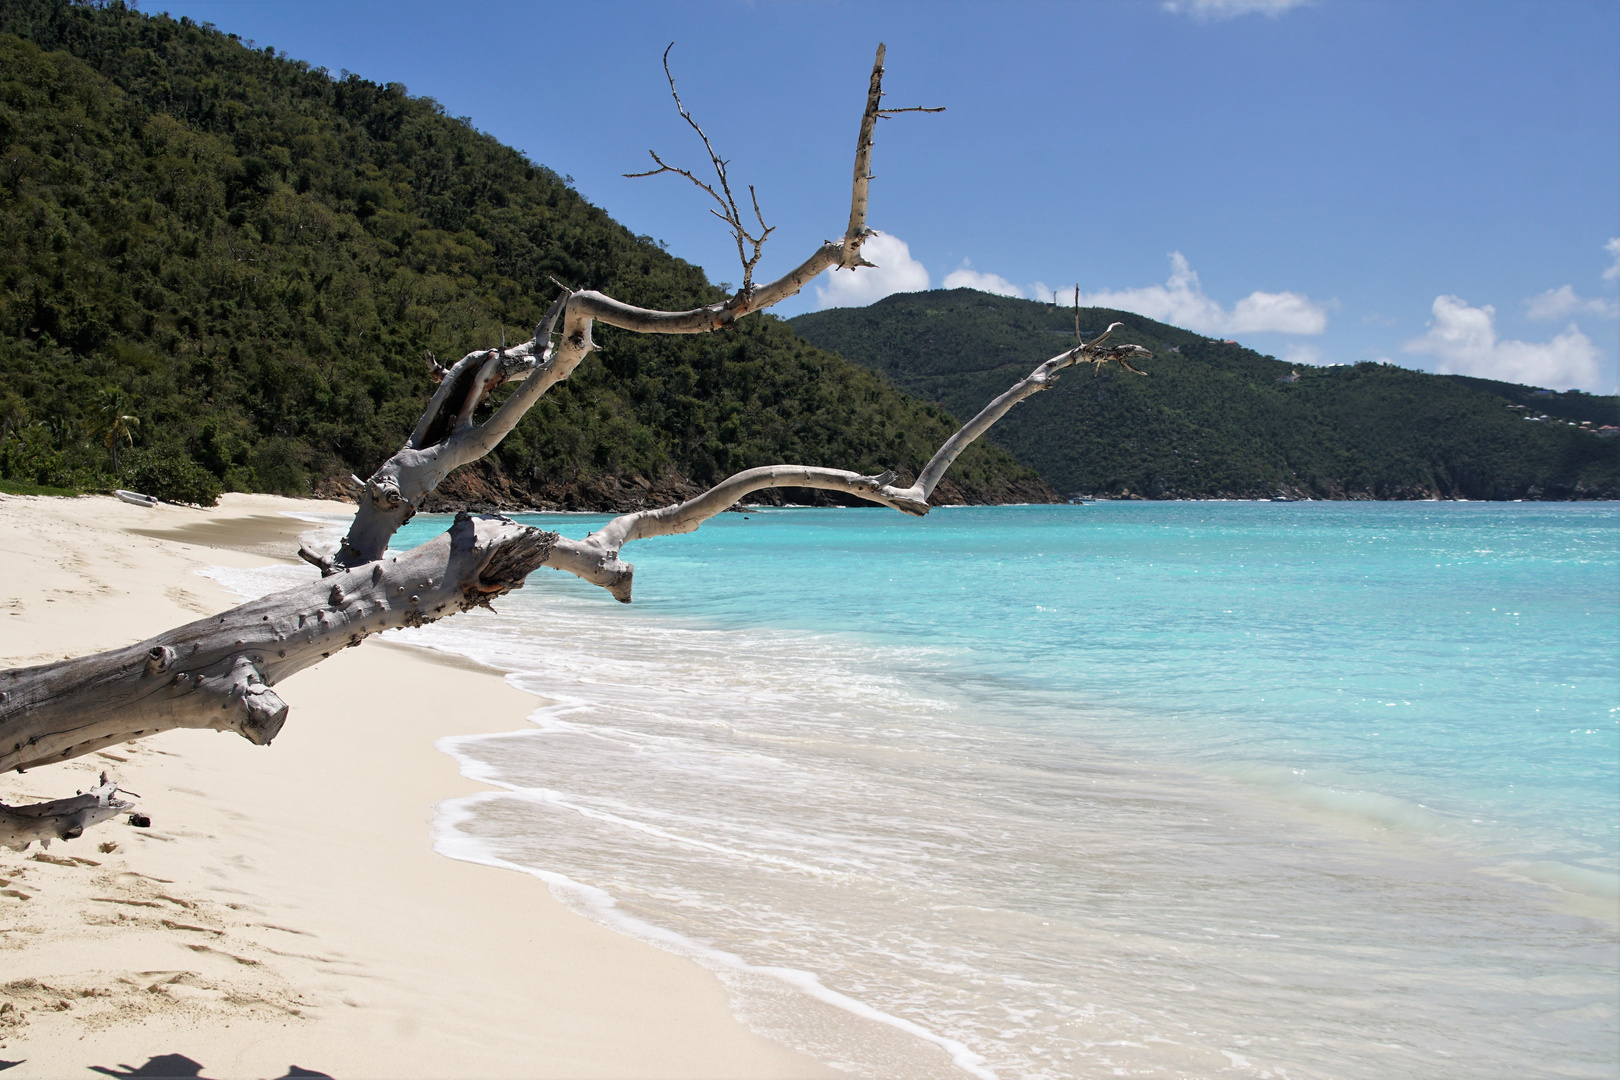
(135, 497)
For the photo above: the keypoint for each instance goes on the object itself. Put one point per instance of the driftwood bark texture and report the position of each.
(219, 672)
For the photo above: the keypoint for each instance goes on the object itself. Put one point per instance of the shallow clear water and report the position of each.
(1176, 789)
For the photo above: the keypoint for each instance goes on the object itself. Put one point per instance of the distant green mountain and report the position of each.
(1215, 419)
(249, 256)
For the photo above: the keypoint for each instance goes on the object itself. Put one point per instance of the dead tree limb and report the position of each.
(219, 672)
(596, 558)
(728, 211)
(439, 445)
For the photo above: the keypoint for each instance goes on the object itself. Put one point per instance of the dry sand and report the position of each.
(285, 911)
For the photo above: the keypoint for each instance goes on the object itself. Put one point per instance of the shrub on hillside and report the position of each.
(167, 473)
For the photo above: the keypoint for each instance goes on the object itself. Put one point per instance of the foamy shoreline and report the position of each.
(286, 908)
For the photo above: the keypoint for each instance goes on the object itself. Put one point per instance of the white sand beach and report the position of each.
(285, 910)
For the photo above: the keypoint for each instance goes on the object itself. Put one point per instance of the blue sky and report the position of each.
(1434, 184)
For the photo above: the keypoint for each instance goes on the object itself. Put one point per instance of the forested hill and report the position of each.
(222, 268)
(1215, 419)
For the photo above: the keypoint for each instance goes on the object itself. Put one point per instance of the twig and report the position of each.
(728, 212)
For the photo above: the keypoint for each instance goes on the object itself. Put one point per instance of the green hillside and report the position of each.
(249, 257)
(1213, 420)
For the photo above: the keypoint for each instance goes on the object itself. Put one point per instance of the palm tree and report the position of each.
(113, 424)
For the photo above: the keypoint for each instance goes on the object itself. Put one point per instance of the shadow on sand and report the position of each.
(180, 1067)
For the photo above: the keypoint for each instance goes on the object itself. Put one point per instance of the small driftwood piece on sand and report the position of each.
(60, 819)
(219, 672)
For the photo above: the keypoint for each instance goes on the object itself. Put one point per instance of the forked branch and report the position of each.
(728, 211)
(445, 438)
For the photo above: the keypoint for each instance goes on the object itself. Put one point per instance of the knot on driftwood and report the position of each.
(874, 483)
(384, 494)
(250, 707)
(324, 563)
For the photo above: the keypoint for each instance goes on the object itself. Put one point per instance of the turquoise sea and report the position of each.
(1144, 789)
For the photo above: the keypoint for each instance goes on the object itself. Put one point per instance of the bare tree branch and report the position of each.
(445, 439)
(728, 211)
(1042, 378)
(856, 234)
(596, 558)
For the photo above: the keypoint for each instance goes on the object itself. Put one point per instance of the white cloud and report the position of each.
(1181, 302)
(895, 271)
(1283, 313)
(1464, 339)
(965, 277)
(1613, 248)
(1231, 9)
(1562, 302)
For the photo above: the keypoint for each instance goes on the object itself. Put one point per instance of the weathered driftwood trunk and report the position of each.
(218, 672)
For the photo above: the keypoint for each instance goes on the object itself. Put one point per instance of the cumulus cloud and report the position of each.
(1231, 9)
(895, 271)
(1562, 302)
(1283, 313)
(1464, 340)
(965, 277)
(1181, 302)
